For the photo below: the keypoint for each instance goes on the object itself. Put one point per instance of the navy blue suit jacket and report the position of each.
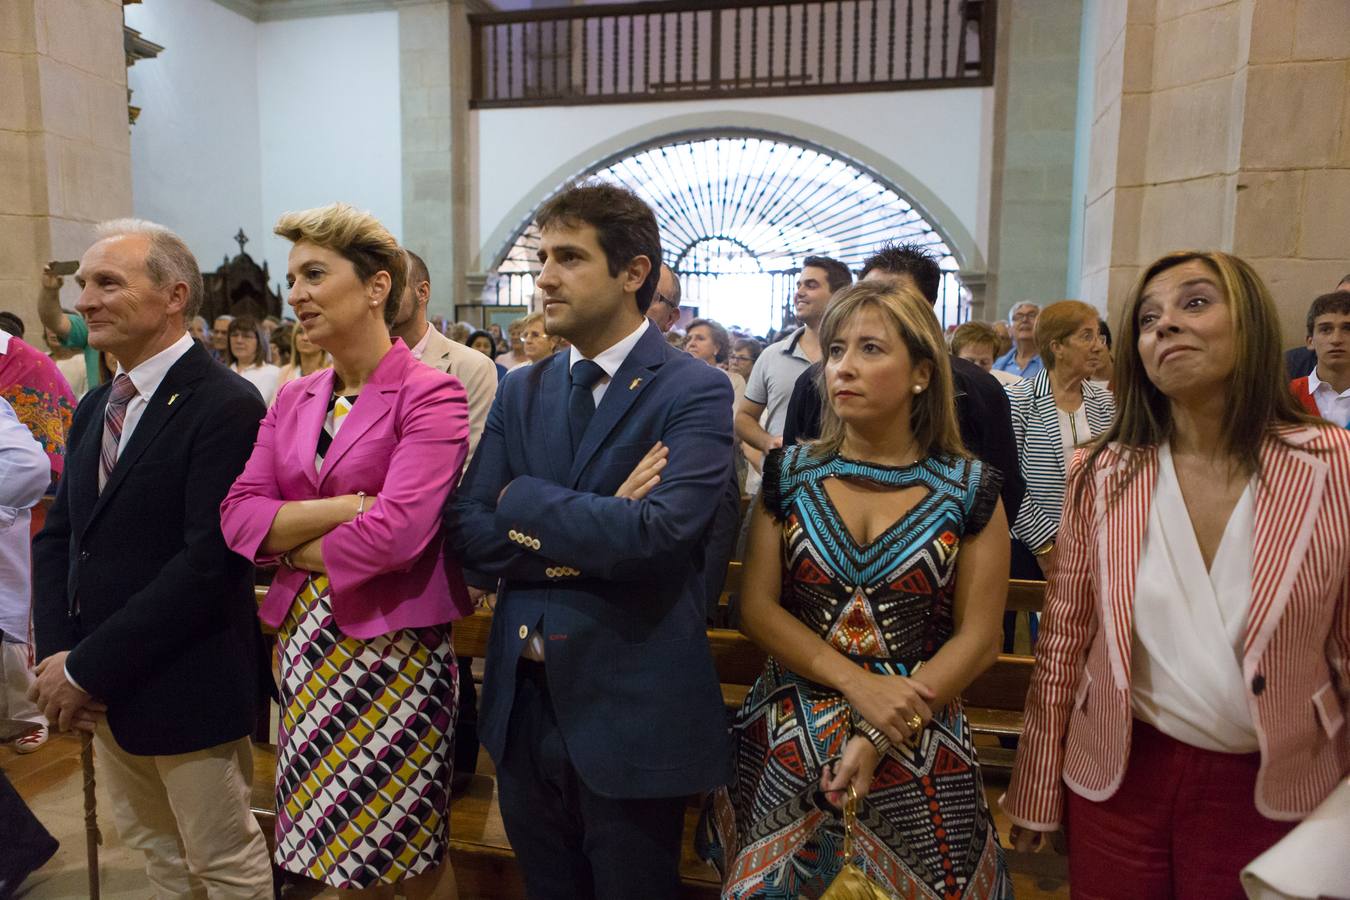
(629, 669)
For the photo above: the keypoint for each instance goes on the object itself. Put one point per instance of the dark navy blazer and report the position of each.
(615, 586)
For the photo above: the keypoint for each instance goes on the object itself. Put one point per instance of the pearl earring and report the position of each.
(918, 389)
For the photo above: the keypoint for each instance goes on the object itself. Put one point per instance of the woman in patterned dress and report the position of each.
(875, 580)
(345, 488)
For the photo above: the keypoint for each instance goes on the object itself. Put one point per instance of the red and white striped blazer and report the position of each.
(1296, 653)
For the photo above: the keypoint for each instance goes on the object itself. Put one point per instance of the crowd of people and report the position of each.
(1185, 496)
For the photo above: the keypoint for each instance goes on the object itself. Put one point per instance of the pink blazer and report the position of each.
(1296, 653)
(403, 443)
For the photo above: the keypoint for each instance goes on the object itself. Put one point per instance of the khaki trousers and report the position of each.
(189, 814)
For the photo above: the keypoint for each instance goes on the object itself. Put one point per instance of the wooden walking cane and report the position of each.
(91, 836)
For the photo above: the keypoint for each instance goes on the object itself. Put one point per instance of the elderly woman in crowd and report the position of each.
(977, 342)
(707, 340)
(1052, 413)
(345, 488)
(744, 352)
(1192, 682)
(539, 344)
(247, 353)
(511, 352)
(874, 625)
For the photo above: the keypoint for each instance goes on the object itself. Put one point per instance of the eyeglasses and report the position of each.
(1025, 316)
(738, 357)
(662, 298)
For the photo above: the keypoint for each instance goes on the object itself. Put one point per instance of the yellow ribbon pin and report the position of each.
(171, 399)
(636, 382)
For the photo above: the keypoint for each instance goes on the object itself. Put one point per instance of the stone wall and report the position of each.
(64, 139)
(1032, 196)
(1221, 124)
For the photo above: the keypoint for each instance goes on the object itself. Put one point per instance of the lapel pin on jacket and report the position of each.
(171, 399)
(634, 384)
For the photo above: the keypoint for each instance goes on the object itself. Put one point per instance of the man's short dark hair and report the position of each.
(1337, 303)
(624, 225)
(913, 260)
(417, 270)
(13, 324)
(837, 275)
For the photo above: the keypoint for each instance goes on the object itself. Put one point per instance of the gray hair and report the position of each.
(168, 260)
(675, 281)
(1012, 311)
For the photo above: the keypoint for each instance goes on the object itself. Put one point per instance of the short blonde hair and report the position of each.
(356, 236)
(1057, 322)
(971, 333)
(932, 414)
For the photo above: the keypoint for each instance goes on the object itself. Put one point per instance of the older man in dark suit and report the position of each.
(138, 605)
(591, 498)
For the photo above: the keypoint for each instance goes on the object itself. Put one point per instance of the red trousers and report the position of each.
(1182, 825)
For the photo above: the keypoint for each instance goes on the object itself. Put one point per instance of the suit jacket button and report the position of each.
(551, 572)
(524, 632)
(513, 534)
(1258, 684)
(534, 543)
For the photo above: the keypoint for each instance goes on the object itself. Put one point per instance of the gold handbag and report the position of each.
(852, 883)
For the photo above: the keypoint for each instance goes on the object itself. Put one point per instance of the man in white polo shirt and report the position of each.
(770, 384)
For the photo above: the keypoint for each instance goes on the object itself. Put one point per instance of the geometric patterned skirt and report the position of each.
(364, 749)
(924, 828)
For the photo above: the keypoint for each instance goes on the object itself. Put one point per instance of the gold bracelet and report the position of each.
(1045, 548)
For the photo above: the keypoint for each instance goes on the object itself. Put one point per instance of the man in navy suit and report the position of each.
(591, 497)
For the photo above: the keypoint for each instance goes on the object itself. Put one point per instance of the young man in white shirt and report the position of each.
(1325, 391)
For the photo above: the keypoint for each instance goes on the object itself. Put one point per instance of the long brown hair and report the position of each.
(1258, 397)
(932, 414)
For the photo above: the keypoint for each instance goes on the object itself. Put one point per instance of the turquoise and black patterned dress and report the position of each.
(925, 826)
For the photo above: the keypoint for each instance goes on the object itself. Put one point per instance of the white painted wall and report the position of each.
(931, 144)
(195, 162)
(243, 121)
(329, 119)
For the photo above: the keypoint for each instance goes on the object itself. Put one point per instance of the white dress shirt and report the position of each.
(609, 359)
(147, 377)
(25, 473)
(1186, 678)
(1334, 407)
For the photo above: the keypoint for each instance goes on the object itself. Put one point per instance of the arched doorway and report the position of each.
(738, 213)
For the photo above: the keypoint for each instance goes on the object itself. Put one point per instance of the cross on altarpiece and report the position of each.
(241, 239)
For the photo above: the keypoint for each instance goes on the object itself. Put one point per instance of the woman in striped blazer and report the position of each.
(1193, 673)
(1053, 413)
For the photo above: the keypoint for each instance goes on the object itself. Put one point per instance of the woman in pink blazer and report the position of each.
(344, 489)
(1193, 672)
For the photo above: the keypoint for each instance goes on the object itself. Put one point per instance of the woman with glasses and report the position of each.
(1053, 413)
(744, 352)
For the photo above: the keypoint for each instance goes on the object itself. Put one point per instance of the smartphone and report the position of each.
(64, 268)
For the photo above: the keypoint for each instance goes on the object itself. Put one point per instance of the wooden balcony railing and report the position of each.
(688, 49)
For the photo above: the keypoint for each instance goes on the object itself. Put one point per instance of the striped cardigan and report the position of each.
(1295, 654)
(1036, 426)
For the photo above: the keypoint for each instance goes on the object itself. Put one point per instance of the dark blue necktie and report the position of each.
(581, 402)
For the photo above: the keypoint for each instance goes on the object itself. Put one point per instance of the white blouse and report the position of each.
(265, 378)
(1073, 430)
(1189, 623)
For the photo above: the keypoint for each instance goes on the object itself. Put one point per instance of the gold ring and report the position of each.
(915, 721)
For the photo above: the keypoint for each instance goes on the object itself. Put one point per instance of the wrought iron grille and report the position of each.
(737, 216)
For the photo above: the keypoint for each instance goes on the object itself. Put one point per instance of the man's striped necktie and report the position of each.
(114, 414)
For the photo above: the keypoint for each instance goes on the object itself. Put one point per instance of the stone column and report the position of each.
(1221, 125)
(434, 70)
(1035, 91)
(65, 147)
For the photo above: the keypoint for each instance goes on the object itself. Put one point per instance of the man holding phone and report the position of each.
(68, 326)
